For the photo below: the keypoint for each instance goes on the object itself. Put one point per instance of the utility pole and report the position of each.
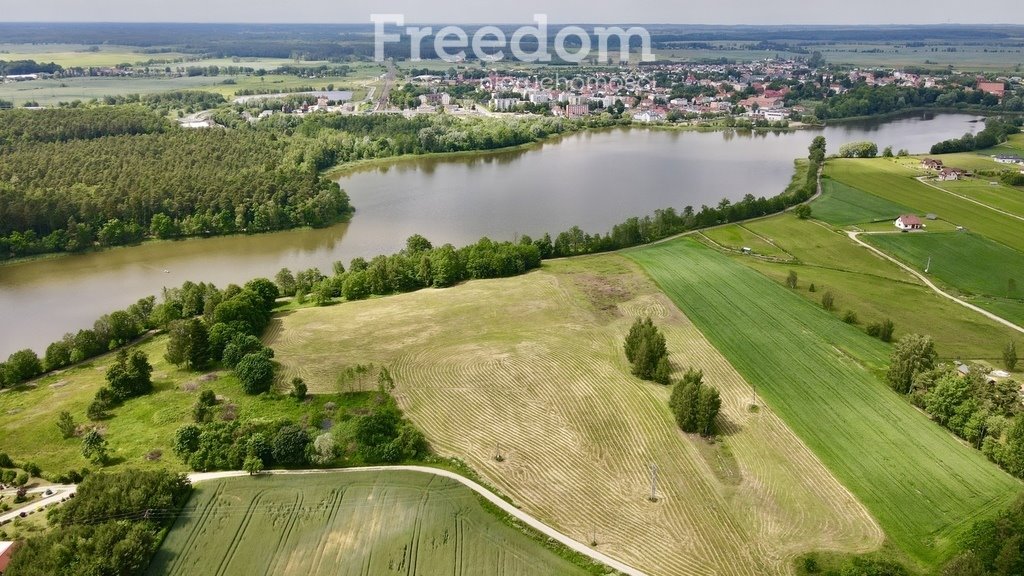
(928, 266)
(654, 483)
(497, 454)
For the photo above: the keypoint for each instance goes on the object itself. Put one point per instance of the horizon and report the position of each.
(726, 12)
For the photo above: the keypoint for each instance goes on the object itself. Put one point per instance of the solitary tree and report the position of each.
(791, 279)
(828, 301)
(298, 389)
(252, 465)
(1010, 355)
(66, 424)
(94, 447)
(802, 211)
(911, 355)
(645, 349)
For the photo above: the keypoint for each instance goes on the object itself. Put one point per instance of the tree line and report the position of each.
(866, 100)
(996, 131)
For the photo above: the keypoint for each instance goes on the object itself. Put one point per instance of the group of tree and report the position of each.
(646, 351)
(129, 376)
(863, 99)
(378, 434)
(981, 410)
(695, 404)
(112, 526)
(863, 149)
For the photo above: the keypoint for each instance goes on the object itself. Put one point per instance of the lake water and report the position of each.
(593, 180)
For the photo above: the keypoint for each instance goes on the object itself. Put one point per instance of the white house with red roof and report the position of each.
(908, 222)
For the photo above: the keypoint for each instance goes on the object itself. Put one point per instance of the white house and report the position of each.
(648, 116)
(908, 222)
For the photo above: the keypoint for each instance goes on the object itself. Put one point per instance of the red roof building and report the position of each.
(908, 222)
(995, 88)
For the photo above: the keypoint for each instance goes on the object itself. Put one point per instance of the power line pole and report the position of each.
(654, 483)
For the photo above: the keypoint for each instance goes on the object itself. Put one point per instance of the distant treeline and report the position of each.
(865, 100)
(15, 67)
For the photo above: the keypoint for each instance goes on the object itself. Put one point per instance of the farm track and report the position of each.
(532, 365)
(927, 282)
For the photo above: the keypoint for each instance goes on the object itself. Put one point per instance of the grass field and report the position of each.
(738, 236)
(820, 375)
(972, 264)
(535, 364)
(889, 180)
(359, 523)
(842, 205)
(1006, 198)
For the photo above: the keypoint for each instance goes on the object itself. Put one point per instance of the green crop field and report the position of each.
(970, 262)
(535, 364)
(821, 376)
(889, 180)
(1006, 198)
(347, 523)
(842, 205)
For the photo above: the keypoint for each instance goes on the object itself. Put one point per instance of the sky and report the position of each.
(521, 11)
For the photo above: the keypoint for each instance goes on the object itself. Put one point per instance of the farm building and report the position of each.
(908, 222)
(932, 164)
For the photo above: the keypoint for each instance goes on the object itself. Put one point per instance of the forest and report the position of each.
(74, 178)
(109, 175)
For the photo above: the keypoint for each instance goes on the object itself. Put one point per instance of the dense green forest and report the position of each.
(74, 178)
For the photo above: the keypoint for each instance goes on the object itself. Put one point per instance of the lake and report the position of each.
(593, 179)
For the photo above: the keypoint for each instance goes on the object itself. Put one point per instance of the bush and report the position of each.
(828, 301)
(850, 317)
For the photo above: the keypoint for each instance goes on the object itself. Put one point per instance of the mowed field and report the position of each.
(533, 366)
(820, 375)
(887, 179)
(346, 523)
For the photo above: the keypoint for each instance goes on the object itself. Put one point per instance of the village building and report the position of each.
(908, 222)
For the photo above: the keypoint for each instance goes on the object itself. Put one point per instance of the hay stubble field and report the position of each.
(534, 364)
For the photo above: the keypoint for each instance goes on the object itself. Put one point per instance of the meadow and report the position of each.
(141, 431)
(821, 376)
(347, 523)
(978, 57)
(889, 180)
(532, 368)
